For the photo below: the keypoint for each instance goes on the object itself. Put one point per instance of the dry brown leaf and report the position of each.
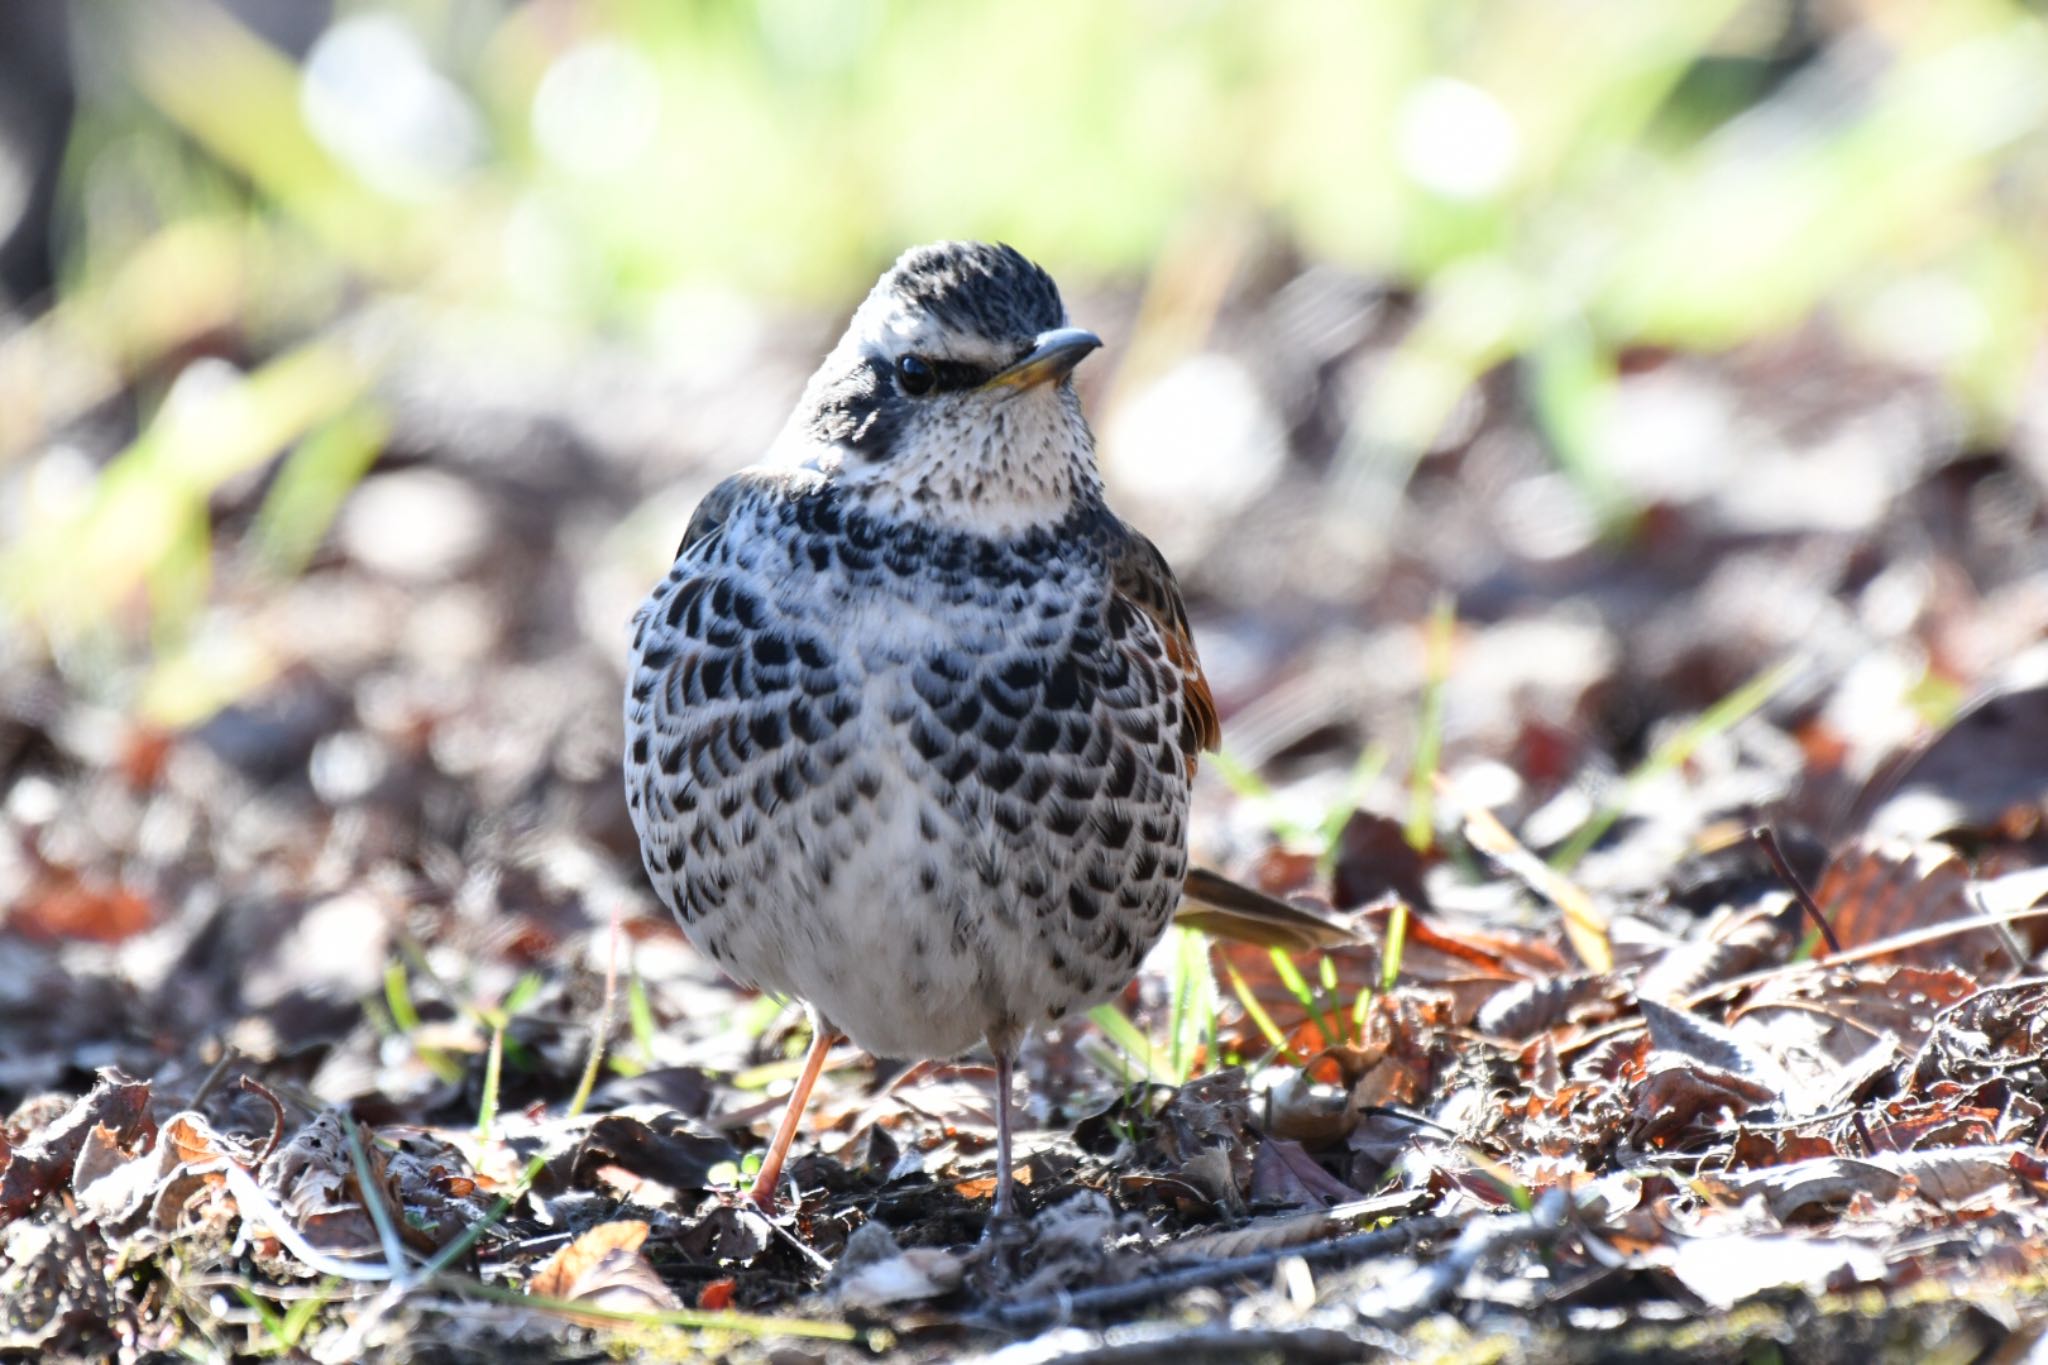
(1585, 923)
(604, 1266)
(312, 1177)
(1997, 1031)
(1674, 1098)
(1874, 891)
(1987, 763)
(1948, 1179)
(660, 1146)
(1743, 944)
(1532, 1007)
(873, 1272)
(1375, 859)
(43, 1163)
(1310, 1111)
(75, 909)
(1284, 1174)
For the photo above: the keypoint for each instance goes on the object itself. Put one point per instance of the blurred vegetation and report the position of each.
(1556, 184)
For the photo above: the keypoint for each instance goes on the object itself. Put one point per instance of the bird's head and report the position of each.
(948, 399)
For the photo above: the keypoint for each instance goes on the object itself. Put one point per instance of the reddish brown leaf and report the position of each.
(1675, 1098)
(1874, 891)
(44, 1163)
(72, 909)
(604, 1266)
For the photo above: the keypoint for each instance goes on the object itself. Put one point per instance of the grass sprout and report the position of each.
(1397, 940)
(288, 1328)
(1722, 716)
(1256, 1012)
(1429, 740)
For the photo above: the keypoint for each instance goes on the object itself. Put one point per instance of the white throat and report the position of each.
(991, 466)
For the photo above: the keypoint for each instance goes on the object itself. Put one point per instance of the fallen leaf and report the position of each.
(1522, 1011)
(1677, 1096)
(1970, 775)
(1723, 1271)
(76, 909)
(40, 1165)
(604, 1266)
(1877, 890)
(664, 1147)
(874, 1272)
(1284, 1174)
(1375, 859)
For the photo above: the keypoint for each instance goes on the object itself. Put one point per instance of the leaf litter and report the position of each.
(298, 1001)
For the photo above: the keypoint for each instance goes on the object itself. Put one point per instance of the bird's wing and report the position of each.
(1141, 579)
(734, 489)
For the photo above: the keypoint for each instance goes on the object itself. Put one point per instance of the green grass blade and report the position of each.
(522, 993)
(1397, 941)
(1724, 714)
(302, 1312)
(1256, 1012)
(373, 1199)
(1429, 741)
(310, 487)
(487, 1108)
(398, 998)
(1129, 1040)
(641, 1013)
(1298, 987)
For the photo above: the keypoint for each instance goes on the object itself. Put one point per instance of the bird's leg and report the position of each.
(763, 1192)
(1006, 1197)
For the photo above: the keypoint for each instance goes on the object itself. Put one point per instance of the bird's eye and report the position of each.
(917, 375)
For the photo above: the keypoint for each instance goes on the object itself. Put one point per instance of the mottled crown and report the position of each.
(903, 414)
(975, 288)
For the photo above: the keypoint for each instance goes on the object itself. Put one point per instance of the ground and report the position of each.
(1686, 816)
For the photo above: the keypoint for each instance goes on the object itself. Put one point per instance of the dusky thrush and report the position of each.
(912, 721)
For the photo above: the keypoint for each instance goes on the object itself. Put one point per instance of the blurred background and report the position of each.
(360, 364)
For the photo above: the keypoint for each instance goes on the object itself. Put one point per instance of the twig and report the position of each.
(212, 1079)
(1768, 842)
(1390, 1111)
(1112, 1298)
(1415, 1296)
(1585, 923)
(256, 1087)
(1146, 1343)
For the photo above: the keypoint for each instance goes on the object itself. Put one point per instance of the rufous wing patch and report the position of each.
(1142, 578)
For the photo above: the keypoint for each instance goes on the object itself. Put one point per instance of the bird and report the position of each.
(912, 721)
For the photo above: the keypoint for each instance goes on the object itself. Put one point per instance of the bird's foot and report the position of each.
(1004, 1238)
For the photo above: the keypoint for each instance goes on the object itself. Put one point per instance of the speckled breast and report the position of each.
(928, 781)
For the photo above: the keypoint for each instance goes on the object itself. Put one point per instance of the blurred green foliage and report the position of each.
(1555, 182)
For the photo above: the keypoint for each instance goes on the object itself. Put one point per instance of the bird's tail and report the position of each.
(1217, 905)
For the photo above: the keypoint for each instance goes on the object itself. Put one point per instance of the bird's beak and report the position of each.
(1053, 355)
